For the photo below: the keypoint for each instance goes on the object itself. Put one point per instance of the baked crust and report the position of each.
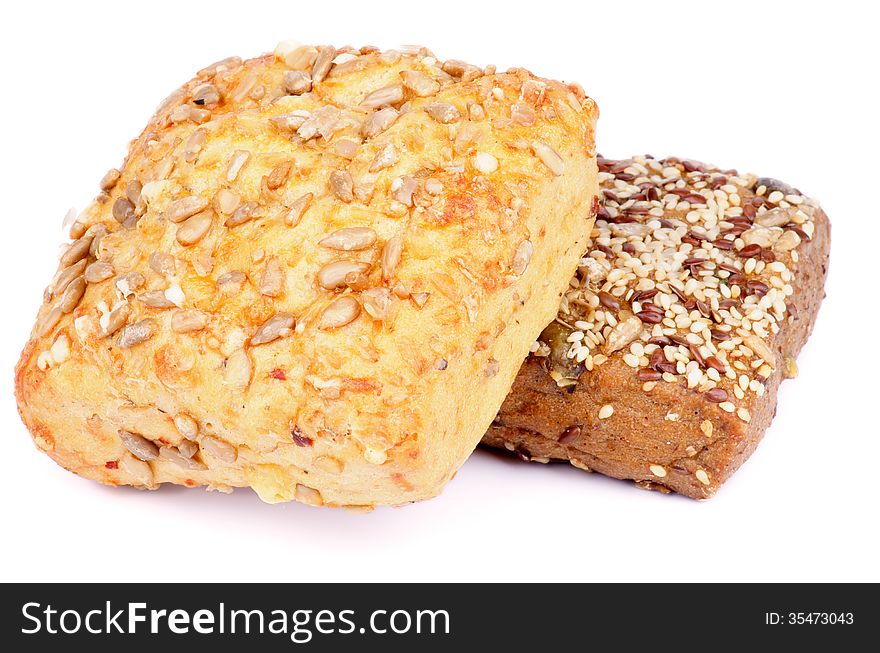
(673, 423)
(210, 324)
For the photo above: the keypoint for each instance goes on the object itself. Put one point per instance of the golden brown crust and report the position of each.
(661, 433)
(211, 324)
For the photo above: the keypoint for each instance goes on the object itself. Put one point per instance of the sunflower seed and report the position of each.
(476, 112)
(349, 239)
(219, 449)
(379, 121)
(49, 321)
(242, 214)
(347, 63)
(338, 273)
(128, 283)
(521, 257)
(138, 470)
(173, 455)
(289, 122)
(391, 253)
(162, 263)
(419, 83)
(297, 82)
(298, 58)
(549, 157)
(386, 157)
(236, 163)
(231, 282)
(180, 114)
(194, 144)
(98, 272)
(466, 137)
(278, 176)
(187, 448)
(380, 97)
(461, 69)
(180, 210)
(114, 320)
(346, 147)
(342, 185)
(187, 426)
(199, 116)
(774, 218)
(340, 312)
(625, 332)
(389, 57)
(67, 275)
(787, 241)
(244, 86)
(323, 62)
(97, 232)
(72, 294)
(227, 201)
(194, 228)
(402, 189)
(172, 100)
(206, 95)
(123, 211)
(378, 303)
(522, 114)
(307, 495)
(278, 326)
(238, 369)
(134, 334)
(187, 320)
(272, 279)
(761, 349)
(133, 191)
(108, 181)
(77, 229)
(763, 236)
(77, 250)
(297, 209)
(138, 445)
(325, 121)
(156, 299)
(443, 113)
(219, 66)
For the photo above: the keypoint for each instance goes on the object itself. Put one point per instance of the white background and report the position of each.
(786, 90)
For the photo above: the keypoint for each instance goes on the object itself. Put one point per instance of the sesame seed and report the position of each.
(674, 257)
(702, 476)
(606, 411)
(658, 471)
(706, 427)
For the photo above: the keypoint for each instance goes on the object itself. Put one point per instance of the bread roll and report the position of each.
(316, 275)
(664, 362)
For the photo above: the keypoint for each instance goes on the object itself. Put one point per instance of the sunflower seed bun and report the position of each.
(316, 274)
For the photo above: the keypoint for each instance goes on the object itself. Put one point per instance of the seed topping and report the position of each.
(686, 278)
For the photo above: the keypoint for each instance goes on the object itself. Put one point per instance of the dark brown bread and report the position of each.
(660, 433)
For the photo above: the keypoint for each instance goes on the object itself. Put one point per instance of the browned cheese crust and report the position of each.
(308, 264)
(665, 359)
